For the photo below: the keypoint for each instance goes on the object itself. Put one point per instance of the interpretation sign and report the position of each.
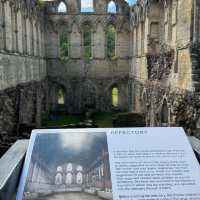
(153, 164)
(119, 164)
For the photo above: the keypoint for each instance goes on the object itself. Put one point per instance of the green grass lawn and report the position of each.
(103, 120)
(64, 120)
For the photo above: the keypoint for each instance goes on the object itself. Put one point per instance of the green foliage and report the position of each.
(40, 3)
(87, 40)
(64, 120)
(104, 119)
(64, 46)
(61, 97)
(111, 34)
(115, 97)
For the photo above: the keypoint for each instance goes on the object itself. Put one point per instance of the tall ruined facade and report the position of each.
(88, 73)
(62, 56)
(165, 62)
(22, 65)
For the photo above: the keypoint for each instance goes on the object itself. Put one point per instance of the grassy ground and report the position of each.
(103, 120)
(64, 120)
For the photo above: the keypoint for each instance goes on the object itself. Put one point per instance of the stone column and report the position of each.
(14, 28)
(31, 39)
(8, 25)
(38, 40)
(20, 32)
(38, 107)
(1, 25)
(28, 35)
(24, 33)
(35, 52)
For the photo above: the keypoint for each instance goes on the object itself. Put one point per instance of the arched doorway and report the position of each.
(69, 179)
(60, 96)
(79, 178)
(115, 96)
(165, 114)
(60, 107)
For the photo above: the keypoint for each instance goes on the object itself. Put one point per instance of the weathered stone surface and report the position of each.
(156, 67)
(168, 82)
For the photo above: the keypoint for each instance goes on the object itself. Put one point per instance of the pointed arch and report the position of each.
(115, 96)
(69, 179)
(79, 178)
(58, 179)
(62, 7)
(69, 167)
(87, 41)
(60, 96)
(111, 40)
(64, 45)
(87, 6)
(165, 113)
(112, 7)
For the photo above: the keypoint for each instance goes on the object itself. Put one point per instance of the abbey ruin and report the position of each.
(56, 55)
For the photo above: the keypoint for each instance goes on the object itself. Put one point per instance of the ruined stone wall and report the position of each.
(22, 66)
(88, 82)
(166, 74)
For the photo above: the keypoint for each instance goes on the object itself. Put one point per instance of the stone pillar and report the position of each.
(24, 33)
(38, 107)
(31, 39)
(19, 31)
(8, 26)
(134, 42)
(142, 37)
(38, 40)
(14, 28)
(35, 38)
(1, 25)
(28, 35)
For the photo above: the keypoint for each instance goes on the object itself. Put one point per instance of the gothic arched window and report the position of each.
(69, 167)
(58, 179)
(61, 96)
(69, 178)
(64, 45)
(115, 96)
(79, 168)
(87, 42)
(112, 7)
(79, 178)
(62, 8)
(87, 6)
(111, 36)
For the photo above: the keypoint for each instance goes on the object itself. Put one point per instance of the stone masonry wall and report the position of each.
(23, 88)
(167, 81)
(93, 80)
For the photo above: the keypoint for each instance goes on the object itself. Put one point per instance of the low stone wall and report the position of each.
(129, 120)
(21, 109)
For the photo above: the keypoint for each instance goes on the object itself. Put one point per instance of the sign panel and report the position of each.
(153, 164)
(119, 164)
